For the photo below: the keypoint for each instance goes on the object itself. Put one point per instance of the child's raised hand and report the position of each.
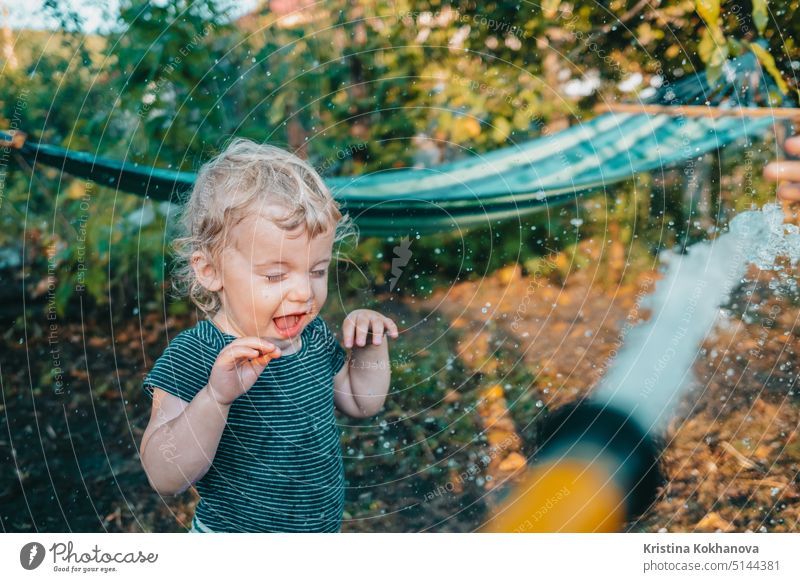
(360, 322)
(787, 171)
(238, 366)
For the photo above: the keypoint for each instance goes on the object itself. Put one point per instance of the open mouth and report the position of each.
(289, 325)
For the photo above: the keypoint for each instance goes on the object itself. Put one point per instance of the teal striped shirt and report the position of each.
(278, 466)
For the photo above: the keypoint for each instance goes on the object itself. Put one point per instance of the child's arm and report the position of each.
(181, 440)
(361, 386)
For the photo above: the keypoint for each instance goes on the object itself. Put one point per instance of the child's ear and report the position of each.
(206, 272)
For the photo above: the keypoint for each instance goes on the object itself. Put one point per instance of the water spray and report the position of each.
(598, 463)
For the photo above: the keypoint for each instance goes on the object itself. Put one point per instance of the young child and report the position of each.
(243, 402)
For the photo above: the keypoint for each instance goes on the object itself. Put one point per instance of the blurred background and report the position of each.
(502, 321)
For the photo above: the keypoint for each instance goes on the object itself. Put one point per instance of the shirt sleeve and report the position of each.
(183, 369)
(335, 351)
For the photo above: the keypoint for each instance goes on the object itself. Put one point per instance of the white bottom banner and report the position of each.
(390, 557)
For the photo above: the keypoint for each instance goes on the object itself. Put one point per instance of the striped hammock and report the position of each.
(509, 182)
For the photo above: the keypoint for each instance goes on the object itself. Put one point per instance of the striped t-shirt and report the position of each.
(278, 466)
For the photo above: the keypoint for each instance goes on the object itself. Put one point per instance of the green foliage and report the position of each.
(355, 86)
(766, 60)
(760, 15)
(714, 48)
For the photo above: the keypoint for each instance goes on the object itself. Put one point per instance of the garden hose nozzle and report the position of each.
(595, 470)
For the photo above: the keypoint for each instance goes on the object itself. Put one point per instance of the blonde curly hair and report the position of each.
(247, 175)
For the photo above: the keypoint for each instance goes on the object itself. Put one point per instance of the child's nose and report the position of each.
(302, 291)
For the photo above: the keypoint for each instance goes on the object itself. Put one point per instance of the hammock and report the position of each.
(512, 181)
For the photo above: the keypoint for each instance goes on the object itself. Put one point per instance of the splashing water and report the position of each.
(655, 364)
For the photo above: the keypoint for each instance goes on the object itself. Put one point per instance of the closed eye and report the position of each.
(277, 278)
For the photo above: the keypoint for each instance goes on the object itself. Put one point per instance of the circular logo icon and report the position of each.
(31, 555)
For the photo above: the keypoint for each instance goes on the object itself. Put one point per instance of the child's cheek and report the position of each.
(270, 299)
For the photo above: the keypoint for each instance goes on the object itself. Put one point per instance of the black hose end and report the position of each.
(615, 435)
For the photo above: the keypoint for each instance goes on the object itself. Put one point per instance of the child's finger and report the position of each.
(269, 354)
(783, 170)
(263, 346)
(391, 328)
(236, 354)
(348, 327)
(362, 327)
(377, 331)
(792, 145)
(253, 342)
(790, 192)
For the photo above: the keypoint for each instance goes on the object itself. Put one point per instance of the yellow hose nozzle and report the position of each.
(597, 469)
(568, 495)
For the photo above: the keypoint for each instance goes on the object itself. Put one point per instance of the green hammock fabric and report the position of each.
(506, 183)
(515, 181)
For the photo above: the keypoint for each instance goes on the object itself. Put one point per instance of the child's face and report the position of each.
(268, 273)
